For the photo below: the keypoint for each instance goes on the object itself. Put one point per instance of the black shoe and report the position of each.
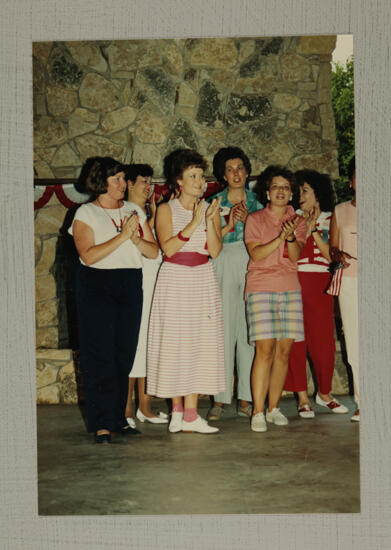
(103, 439)
(127, 430)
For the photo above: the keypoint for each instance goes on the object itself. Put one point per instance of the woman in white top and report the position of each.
(140, 193)
(108, 240)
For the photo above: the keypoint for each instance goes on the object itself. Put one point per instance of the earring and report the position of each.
(268, 196)
(180, 188)
(291, 197)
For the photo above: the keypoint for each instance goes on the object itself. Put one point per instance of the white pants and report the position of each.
(348, 304)
(231, 267)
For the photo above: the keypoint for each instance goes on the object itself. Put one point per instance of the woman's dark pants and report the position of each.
(109, 305)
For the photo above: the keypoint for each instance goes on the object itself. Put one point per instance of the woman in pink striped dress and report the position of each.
(185, 338)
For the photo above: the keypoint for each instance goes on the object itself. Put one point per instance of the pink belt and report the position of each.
(190, 259)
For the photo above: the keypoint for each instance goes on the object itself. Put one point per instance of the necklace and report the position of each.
(118, 228)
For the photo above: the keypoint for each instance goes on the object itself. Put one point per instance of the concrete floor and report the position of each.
(309, 466)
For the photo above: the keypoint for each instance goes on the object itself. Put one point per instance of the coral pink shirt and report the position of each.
(277, 272)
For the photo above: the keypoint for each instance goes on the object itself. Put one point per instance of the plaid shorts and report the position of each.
(275, 315)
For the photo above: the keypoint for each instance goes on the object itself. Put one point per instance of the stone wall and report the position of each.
(138, 100)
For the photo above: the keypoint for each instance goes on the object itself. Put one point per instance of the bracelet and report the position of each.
(182, 238)
(292, 241)
(314, 231)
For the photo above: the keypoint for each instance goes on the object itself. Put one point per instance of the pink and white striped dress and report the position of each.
(186, 338)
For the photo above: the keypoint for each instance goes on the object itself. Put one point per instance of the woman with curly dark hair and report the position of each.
(317, 201)
(185, 354)
(232, 168)
(274, 237)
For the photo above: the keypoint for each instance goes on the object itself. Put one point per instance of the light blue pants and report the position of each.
(231, 268)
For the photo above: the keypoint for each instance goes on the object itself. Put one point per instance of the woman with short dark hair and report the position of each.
(185, 340)
(232, 168)
(316, 202)
(274, 237)
(108, 240)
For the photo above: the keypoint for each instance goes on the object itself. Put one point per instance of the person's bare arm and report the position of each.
(169, 243)
(92, 253)
(147, 244)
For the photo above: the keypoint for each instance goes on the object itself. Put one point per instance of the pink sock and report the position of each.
(190, 415)
(177, 408)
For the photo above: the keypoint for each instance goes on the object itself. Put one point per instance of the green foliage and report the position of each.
(342, 99)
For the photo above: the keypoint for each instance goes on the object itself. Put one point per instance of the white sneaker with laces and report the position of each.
(198, 425)
(276, 417)
(258, 423)
(176, 422)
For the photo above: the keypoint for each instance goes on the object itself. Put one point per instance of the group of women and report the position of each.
(225, 290)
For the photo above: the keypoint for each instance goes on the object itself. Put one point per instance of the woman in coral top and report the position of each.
(274, 237)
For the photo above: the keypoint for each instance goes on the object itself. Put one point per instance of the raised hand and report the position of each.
(198, 213)
(240, 212)
(213, 208)
(311, 219)
(288, 229)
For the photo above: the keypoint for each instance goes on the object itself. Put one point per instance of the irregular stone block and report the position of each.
(174, 61)
(88, 54)
(295, 67)
(208, 104)
(39, 81)
(39, 105)
(324, 80)
(327, 119)
(46, 313)
(67, 378)
(64, 71)
(151, 52)
(181, 135)
(47, 257)
(42, 170)
(49, 220)
(246, 108)
(286, 102)
(295, 119)
(92, 145)
(61, 102)
(122, 138)
(47, 337)
(276, 152)
(37, 249)
(126, 92)
(81, 122)
(54, 355)
(305, 141)
(158, 86)
(246, 49)
(64, 172)
(316, 44)
(41, 50)
(123, 55)
(151, 127)
(49, 395)
(46, 154)
(186, 96)
(48, 131)
(98, 93)
(191, 76)
(45, 287)
(65, 156)
(324, 162)
(117, 120)
(223, 79)
(217, 53)
(46, 374)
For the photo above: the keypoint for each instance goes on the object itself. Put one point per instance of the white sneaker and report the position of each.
(356, 416)
(258, 423)
(305, 411)
(333, 405)
(276, 417)
(176, 422)
(198, 425)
